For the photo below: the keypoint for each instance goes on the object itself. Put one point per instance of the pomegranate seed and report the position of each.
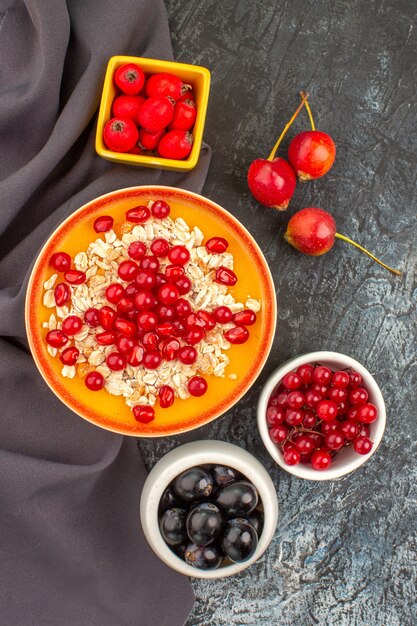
(116, 361)
(160, 209)
(125, 327)
(350, 429)
(217, 245)
(150, 263)
(187, 355)
(195, 322)
(305, 372)
(166, 396)
(136, 250)
(114, 292)
(125, 305)
(194, 336)
(62, 294)
(225, 276)
(222, 314)
(245, 318)
(355, 379)
(209, 320)
(147, 320)
(103, 224)
(197, 386)
(94, 381)
(179, 255)
(321, 460)
(165, 312)
(275, 415)
(180, 329)
(170, 348)
(146, 280)
(292, 381)
(91, 317)
(75, 277)
(362, 445)
(291, 455)
(160, 247)
(69, 356)
(138, 215)
(326, 410)
(106, 338)
(60, 261)
(322, 375)
(143, 414)
(56, 338)
(135, 358)
(182, 307)
(128, 270)
(238, 334)
(184, 285)
(125, 344)
(164, 329)
(340, 380)
(72, 325)
(367, 413)
(160, 279)
(168, 294)
(152, 359)
(107, 316)
(145, 300)
(358, 396)
(150, 340)
(174, 272)
(278, 433)
(131, 290)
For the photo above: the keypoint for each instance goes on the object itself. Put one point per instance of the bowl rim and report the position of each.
(155, 189)
(304, 471)
(200, 453)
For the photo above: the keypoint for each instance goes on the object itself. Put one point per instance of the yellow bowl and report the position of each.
(194, 75)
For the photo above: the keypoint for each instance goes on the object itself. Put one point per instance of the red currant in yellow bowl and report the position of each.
(150, 311)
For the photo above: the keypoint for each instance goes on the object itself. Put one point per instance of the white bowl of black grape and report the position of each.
(209, 509)
(321, 415)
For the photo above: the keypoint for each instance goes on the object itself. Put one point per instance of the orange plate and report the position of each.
(246, 361)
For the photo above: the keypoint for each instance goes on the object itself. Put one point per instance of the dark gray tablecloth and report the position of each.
(71, 548)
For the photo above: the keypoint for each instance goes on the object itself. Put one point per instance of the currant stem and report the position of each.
(387, 267)
(286, 127)
(310, 115)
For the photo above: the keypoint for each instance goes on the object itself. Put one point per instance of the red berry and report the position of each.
(106, 338)
(367, 413)
(335, 440)
(60, 261)
(364, 430)
(75, 277)
(147, 320)
(56, 338)
(120, 134)
(272, 183)
(312, 398)
(337, 394)
(146, 280)
(322, 375)
(145, 300)
(292, 381)
(94, 381)
(130, 78)
(127, 106)
(291, 455)
(125, 344)
(174, 273)
(165, 312)
(275, 415)
(138, 215)
(155, 114)
(330, 426)
(195, 322)
(322, 390)
(62, 294)
(107, 316)
(187, 355)
(165, 329)
(166, 396)
(125, 305)
(91, 318)
(136, 356)
(149, 141)
(295, 399)
(293, 417)
(237, 335)
(175, 144)
(217, 245)
(245, 318)
(160, 209)
(305, 444)
(169, 348)
(116, 361)
(160, 247)
(128, 270)
(125, 327)
(149, 263)
(136, 250)
(309, 419)
(164, 84)
(72, 325)
(305, 372)
(114, 292)
(197, 386)
(179, 255)
(342, 408)
(168, 294)
(182, 307)
(185, 113)
(69, 356)
(355, 379)
(222, 314)
(358, 396)
(193, 337)
(311, 231)
(152, 359)
(131, 290)
(225, 276)
(184, 285)
(160, 279)
(143, 414)
(311, 154)
(350, 429)
(326, 410)
(321, 460)
(340, 380)
(362, 445)
(282, 399)
(279, 433)
(103, 224)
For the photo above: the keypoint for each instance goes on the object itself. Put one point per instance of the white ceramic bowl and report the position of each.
(347, 460)
(200, 453)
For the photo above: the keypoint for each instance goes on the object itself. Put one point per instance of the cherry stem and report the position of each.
(310, 115)
(286, 127)
(387, 267)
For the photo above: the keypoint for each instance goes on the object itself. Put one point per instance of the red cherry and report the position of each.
(340, 380)
(291, 455)
(60, 261)
(116, 361)
(197, 386)
(149, 263)
(125, 344)
(62, 294)
(136, 250)
(278, 433)
(146, 280)
(179, 255)
(143, 414)
(305, 372)
(120, 134)
(187, 355)
(125, 327)
(106, 338)
(367, 413)
(182, 307)
(107, 316)
(326, 410)
(168, 294)
(91, 318)
(166, 396)
(75, 277)
(152, 359)
(335, 440)
(245, 318)
(174, 273)
(222, 314)
(311, 154)
(275, 415)
(127, 106)
(184, 285)
(125, 305)
(130, 78)
(217, 245)
(164, 84)
(147, 320)
(322, 375)
(128, 270)
(56, 338)
(114, 292)
(135, 357)
(321, 460)
(208, 319)
(175, 144)
(149, 141)
(150, 340)
(72, 325)
(272, 183)
(292, 381)
(69, 356)
(185, 113)
(103, 224)
(237, 335)
(156, 113)
(170, 348)
(160, 247)
(350, 429)
(225, 276)
(358, 396)
(160, 209)
(94, 381)
(362, 445)
(138, 215)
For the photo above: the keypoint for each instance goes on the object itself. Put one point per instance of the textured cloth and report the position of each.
(71, 548)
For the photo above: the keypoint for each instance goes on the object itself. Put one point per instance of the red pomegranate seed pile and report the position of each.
(314, 412)
(146, 316)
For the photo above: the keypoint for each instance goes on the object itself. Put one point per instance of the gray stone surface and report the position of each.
(343, 552)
